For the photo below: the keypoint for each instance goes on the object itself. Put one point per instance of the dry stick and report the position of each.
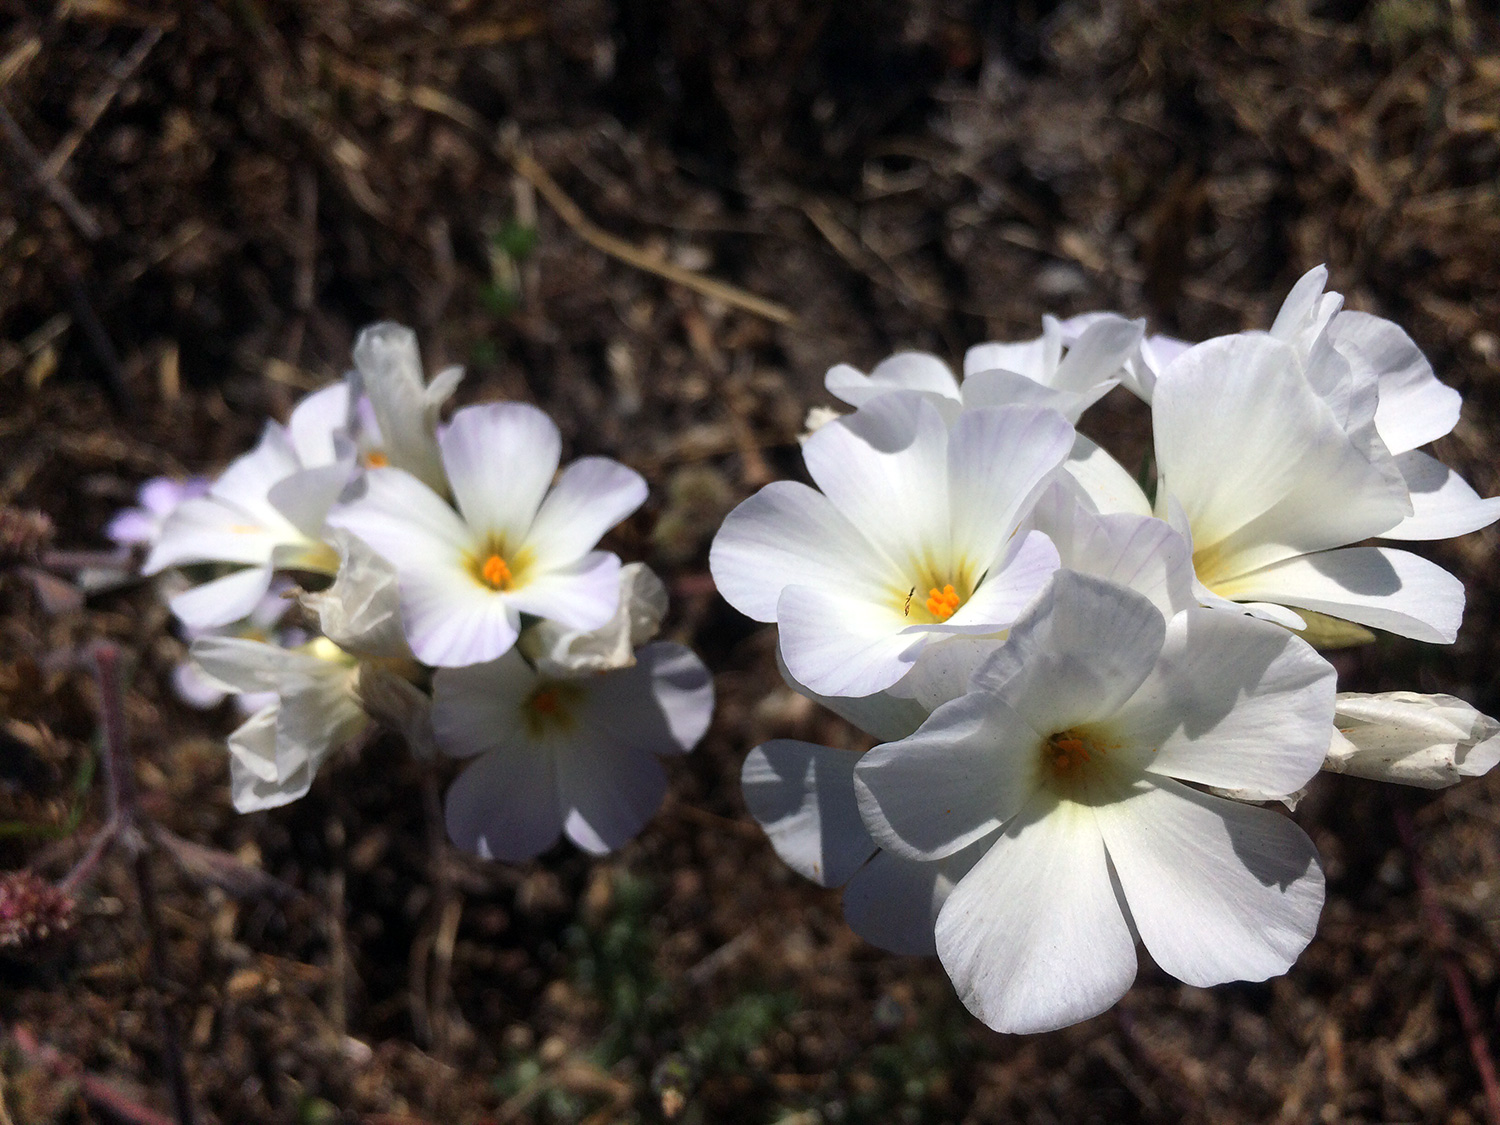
(57, 191)
(120, 788)
(1441, 931)
(119, 74)
(632, 255)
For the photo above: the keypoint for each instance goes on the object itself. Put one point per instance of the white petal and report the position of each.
(1375, 586)
(315, 422)
(885, 468)
(1006, 388)
(883, 715)
(450, 620)
(905, 371)
(789, 534)
(662, 704)
(894, 903)
(1104, 480)
(319, 713)
(609, 792)
(206, 530)
(1301, 313)
(1414, 407)
(1219, 891)
(389, 369)
(584, 594)
(500, 457)
(305, 498)
(967, 770)
(1442, 502)
(803, 796)
(1037, 359)
(1232, 702)
(1094, 360)
(253, 784)
(1141, 552)
(505, 804)
(1008, 588)
(404, 520)
(590, 497)
(243, 665)
(998, 459)
(1079, 652)
(1258, 462)
(215, 604)
(480, 707)
(249, 477)
(838, 645)
(1034, 937)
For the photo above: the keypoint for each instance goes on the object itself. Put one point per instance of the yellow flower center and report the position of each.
(495, 574)
(551, 707)
(1068, 752)
(942, 603)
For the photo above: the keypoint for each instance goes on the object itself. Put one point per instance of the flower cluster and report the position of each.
(1084, 694)
(448, 586)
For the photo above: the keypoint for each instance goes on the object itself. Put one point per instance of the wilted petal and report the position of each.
(1430, 741)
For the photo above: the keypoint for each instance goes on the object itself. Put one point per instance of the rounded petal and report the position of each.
(838, 645)
(1034, 937)
(500, 458)
(222, 601)
(894, 903)
(1009, 587)
(803, 796)
(1414, 407)
(885, 468)
(1375, 586)
(451, 620)
(904, 371)
(404, 520)
(1257, 460)
(790, 534)
(1232, 702)
(1079, 652)
(505, 804)
(206, 530)
(1442, 502)
(478, 708)
(316, 420)
(1219, 891)
(583, 594)
(1104, 480)
(662, 704)
(590, 497)
(998, 459)
(608, 792)
(968, 769)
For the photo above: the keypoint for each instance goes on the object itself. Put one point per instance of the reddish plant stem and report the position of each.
(1441, 931)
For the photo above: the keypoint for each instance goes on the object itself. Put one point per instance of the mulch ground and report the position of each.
(581, 201)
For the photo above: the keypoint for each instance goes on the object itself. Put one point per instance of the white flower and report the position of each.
(513, 546)
(275, 753)
(264, 513)
(575, 756)
(1063, 770)
(1034, 372)
(361, 611)
(1430, 741)
(557, 651)
(803, 794)
(1261, 473)
(197, 690)
(388, 370)
(158, 498)
(911, 538)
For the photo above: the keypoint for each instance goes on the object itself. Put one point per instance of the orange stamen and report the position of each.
(942, 603)
(376, 459)
(495, 573)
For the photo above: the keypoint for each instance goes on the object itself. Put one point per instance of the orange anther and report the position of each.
(942, 603)
(376, 459)
(495, 573)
